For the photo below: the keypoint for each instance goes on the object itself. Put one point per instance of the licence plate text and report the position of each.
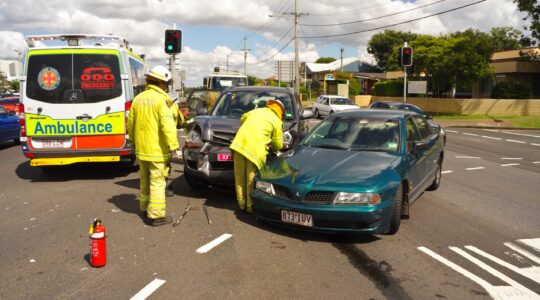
(297, 218)
(224, 157)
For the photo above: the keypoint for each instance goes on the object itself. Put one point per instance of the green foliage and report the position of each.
(383, 46)
(458, 59)
(511, 90)
(14, 85)
(390, 88)
(251, 80)
(505, 38)
(532, 8)
(354, 87)
(325, 60)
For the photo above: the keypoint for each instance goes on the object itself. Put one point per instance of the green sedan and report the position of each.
(357, 171)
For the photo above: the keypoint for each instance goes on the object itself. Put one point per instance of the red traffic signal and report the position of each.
(173, 41)
(406, 56)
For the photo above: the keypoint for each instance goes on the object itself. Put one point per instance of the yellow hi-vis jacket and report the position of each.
(151, 125)
(260, 128)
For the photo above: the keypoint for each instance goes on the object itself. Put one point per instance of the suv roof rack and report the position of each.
(75, 39)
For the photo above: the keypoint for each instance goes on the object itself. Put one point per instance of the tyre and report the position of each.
(317, 115)
(193, 182)
(438, 175)
(396, 215)
(331, 112)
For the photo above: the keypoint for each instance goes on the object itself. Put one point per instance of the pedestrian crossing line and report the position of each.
(503, 292)
(533, 243)
(523, 252)
(530, 272)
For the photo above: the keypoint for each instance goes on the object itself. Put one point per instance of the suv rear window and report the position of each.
(54, 78)
(235, 104)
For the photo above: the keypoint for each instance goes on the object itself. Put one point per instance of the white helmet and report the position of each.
(160, 73)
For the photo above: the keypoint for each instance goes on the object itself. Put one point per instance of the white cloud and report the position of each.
(142, 22)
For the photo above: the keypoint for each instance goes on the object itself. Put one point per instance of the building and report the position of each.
(11, 69)
(367, 74)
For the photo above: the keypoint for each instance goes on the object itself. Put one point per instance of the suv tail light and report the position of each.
(22, 122)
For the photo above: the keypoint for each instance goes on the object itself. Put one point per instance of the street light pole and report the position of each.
(296, 36)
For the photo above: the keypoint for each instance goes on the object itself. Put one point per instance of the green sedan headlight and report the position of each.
(264, 187)
(357, 198)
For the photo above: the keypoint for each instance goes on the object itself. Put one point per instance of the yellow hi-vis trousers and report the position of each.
(244, 173)
(153, 182)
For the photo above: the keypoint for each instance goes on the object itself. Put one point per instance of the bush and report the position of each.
(511, 90)
(354, 87)
(390, 88)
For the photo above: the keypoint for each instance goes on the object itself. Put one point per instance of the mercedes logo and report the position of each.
(73, 97)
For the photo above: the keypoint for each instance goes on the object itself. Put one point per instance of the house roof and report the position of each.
(333, 66)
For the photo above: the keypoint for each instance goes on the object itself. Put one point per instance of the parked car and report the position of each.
(357, 171)
(206, 154)
(9, 126)
(10, 104)
(413, 108)
(329, 104)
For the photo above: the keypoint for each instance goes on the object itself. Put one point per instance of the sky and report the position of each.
(214, 30)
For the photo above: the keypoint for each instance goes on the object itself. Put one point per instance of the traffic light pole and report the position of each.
(405, 81)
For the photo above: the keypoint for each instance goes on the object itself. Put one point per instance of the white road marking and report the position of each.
(446, 172)
(452, 131)
(471, 134)
(509, 165)
(496, 292)
(148, 290)
(514, 291)
(536, 162)
(492, 130)
(523, 252)
(535, 144)
(533, 243)
(214, 243)
(512, 158)
(530, 272)
(519, 142)
(463, 156)
(475, 168)
(491, 137)
(522, 134)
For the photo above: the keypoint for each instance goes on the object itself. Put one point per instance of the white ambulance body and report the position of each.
(76, 98)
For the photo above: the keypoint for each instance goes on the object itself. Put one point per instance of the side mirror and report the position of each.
(420, 145)
(307, 114)
(428, 117)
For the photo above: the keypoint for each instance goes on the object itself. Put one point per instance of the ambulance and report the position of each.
(76, 92)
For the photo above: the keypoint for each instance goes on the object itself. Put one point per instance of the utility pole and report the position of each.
(227, 68)
(341, 59)
(405, 80)
(245, 55)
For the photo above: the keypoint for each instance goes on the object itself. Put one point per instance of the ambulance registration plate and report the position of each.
(224, 157)
(52, 143)
(297, 218)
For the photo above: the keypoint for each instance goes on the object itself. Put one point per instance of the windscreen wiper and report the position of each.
(330, 146)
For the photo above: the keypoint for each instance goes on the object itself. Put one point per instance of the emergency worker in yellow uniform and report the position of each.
(261, 130)
(152, 129)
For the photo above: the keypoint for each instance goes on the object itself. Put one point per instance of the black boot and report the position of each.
(162, 221)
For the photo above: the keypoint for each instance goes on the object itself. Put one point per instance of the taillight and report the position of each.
(22, 122)
(127, 108)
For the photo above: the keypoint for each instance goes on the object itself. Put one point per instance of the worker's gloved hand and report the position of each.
(190, 121)
(177, 154)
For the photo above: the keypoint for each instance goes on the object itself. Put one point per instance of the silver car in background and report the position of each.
(329, 104)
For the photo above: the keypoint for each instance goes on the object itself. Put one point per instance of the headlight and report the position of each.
(264, 187)
(357, 198)
(194, 139)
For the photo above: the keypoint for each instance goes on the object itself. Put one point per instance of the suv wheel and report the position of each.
(317, 115)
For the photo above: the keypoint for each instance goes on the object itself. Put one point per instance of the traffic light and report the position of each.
(173, 41)
(406, 56)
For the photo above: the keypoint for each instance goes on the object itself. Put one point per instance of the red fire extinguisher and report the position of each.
(98, 254)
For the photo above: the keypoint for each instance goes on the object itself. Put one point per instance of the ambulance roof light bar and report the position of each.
(75, 39)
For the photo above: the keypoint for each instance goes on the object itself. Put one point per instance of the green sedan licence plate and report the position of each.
(296, 218)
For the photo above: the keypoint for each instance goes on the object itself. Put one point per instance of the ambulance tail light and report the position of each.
(127, 108)
(22, 121)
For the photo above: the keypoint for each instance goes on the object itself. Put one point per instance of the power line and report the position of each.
(395, 24)
(281, 39)
(376, 18)
(279, 51)
(359, 10)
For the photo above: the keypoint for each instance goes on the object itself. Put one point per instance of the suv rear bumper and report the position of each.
(207, 168)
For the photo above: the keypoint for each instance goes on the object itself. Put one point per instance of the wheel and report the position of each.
(193, 182)
(437, 181)
(331, 112)
(317, 115)
(396, 215)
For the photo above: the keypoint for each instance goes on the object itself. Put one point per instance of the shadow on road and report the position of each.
(128, 203)
(86, 171)
(8, 144)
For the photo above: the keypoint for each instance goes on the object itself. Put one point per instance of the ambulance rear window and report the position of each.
(73, 78)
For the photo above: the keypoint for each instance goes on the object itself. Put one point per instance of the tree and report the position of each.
(383, 45)
(532, 8)
(325, 60)
(457, 59)
(505, 38)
